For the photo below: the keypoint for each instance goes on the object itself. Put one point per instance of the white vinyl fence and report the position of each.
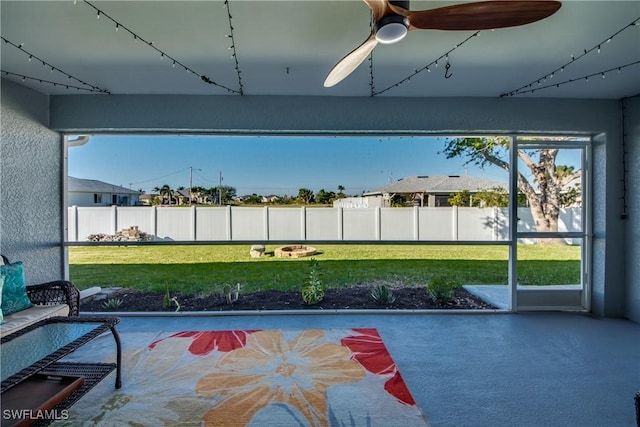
(306, 223)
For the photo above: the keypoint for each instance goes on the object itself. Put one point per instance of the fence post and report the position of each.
(495, 223)
(72, 224)
(303, 223)
(378, 224)
(416, 223)
(340, 223)
(454, 221)
(194, 222)
(154, 222)
(266, 223)
(114, 219)
(229, 232)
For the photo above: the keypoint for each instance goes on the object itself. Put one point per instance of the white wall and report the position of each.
(31, 184)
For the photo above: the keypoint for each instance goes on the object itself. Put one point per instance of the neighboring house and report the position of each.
(90, 192)
(271, 198)
(147, 199)
(433, 191)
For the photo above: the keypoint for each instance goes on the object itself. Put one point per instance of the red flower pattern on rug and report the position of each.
(204, 342)
(369, 350)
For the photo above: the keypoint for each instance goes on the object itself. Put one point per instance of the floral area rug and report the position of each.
(311, 377)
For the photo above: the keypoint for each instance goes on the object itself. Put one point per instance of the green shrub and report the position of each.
(231, 293)
(441, 289)
(382, 295)
(112, 303)
(312, 288)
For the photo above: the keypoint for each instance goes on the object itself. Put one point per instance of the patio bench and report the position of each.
(51, 299)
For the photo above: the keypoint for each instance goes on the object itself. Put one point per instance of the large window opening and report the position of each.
(210, 222)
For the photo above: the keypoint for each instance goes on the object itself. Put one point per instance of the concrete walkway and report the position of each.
(536, 369)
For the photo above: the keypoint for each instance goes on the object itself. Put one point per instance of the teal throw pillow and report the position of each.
(1, 284)
(14, 291)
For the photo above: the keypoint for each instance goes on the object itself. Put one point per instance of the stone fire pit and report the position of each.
(294, 251)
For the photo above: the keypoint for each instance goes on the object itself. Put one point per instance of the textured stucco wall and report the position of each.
(631, 110)
(30, 184)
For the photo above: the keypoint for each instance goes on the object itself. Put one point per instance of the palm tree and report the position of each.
(165, 192)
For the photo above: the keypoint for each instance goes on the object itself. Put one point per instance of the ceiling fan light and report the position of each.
(391, 29)
(391, 33)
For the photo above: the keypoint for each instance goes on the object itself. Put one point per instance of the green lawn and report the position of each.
(206, 269)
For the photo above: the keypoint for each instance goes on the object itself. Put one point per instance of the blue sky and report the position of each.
(265, 165)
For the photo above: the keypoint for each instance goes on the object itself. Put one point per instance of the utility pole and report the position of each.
(191, 183)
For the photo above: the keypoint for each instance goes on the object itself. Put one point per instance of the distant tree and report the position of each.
(305, 195)
(325, 197)
(551, 179)
(399, 201)
(253, 199)
(496, 197)
(222, 194)
(461, 198)
(166, 193)
(340, 194)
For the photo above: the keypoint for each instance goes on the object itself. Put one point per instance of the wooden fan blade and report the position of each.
(483, 15)
(350, 62)
(378, 7)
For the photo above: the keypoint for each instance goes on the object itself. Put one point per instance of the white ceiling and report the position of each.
(288, 47)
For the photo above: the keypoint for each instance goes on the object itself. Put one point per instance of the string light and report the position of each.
(597, 48)
(136, 37)
(68, 86)
(585, 78)
(372, 88)
(234, 55)
(45, 64)
(426, 67)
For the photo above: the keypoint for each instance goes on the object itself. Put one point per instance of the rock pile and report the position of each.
(131, 234)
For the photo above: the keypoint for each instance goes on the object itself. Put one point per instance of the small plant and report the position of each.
(382, 295)
(166, 301)
(441, 289)
(112, 303)
(174, 300)
(231, 293)
(312, 288)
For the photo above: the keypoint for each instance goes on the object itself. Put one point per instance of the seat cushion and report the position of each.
(16, 321)
(14, 291)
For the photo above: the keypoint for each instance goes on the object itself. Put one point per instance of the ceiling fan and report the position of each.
(393, 19)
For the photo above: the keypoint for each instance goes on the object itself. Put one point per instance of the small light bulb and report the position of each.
(117, 27)
(98, 15)
(603, 75)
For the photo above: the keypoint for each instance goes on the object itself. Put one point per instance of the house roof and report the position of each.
(438, 184)
(80, 185)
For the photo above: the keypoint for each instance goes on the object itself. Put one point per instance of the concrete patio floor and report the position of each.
(535, 369)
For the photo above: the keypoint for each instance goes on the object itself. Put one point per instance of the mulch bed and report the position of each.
(408, 298)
